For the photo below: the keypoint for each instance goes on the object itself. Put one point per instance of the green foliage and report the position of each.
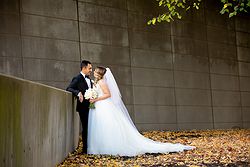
(175, 7)
(234, 7)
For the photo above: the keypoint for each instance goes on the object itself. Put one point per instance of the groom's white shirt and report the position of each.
(87, 80)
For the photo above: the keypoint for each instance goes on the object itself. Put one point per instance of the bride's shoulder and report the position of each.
(101, 81)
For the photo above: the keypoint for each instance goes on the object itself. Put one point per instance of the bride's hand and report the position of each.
(92, 100)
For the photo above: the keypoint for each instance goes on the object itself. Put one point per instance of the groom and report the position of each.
(78, 86)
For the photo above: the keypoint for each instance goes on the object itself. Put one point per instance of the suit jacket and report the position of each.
(79, 84)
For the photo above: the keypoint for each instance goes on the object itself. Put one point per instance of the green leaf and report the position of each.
(179, 16)
(248, 4)
(149, 22)
(160, 3)
(232, 14)
(236, 8)
(153, 21)
(222, 11)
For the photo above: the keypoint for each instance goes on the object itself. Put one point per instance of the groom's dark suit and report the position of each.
(79, 84)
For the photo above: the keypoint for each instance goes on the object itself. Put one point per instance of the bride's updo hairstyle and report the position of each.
(100, 71)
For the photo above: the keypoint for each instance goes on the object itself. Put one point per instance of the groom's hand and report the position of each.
(80, 97)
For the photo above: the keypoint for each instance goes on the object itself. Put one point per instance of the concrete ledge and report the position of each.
(38, 124)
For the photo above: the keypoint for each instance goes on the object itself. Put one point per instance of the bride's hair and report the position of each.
(100, 71)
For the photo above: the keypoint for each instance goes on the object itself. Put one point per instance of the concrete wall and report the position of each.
(38, 124)
(192, 73)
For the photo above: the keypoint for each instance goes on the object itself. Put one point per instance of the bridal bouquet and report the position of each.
(91, 94)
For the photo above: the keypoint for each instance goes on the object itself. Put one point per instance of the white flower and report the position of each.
(91, 93)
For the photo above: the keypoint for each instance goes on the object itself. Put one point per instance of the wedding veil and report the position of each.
(116, 97)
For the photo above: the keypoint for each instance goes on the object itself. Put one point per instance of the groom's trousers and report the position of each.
(84, 115)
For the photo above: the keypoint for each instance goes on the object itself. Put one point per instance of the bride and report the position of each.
(110, 128)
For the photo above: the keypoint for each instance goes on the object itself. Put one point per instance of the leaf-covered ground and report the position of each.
(213, 148)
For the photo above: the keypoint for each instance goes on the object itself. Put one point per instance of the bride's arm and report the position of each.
(105, 90)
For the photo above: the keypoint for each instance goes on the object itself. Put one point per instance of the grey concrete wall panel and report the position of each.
(190, 46)
(138, 22)
(143, 7)
(154, 95)
(49, 27)
(152, 77)
(246, 114)
(196, 16)
(11, 66)
(70, 69)
(127, 94)
(193, 97)
(149, 127)
(10, 46)
(243, 54)
(154, 41)
(122, 74)
(226, 98)
(244, 69)
(152, 114)
(53, 70)
(246, 125)
(243, 39)
(215, 19)
(220, 35)
(220, 50)
(189, 30)
(130, 109)
(102, 34)
(244, 84)
(120, 4)
(227, 114)
(194, 114)
(151, 59)
(193, 126)
(245, 99)
(58, 8)
(227, 125)
(223, 66)
(45, 48)
(103, 54)
(102, 15)
(242, 24)
(191, 80)
(225, 82)
(10, 23)
(190, 63)
(38, 126)
(61, 85)
(9, 6)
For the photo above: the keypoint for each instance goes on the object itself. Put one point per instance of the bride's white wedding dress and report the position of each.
(111, 131)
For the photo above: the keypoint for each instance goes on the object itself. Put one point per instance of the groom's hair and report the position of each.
(85, 63)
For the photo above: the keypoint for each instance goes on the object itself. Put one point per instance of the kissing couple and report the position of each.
(107, 128)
